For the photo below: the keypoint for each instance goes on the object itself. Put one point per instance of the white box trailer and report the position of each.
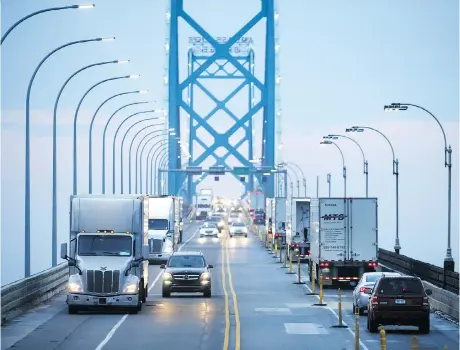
(280, 218)
(297, 233)
(343, 238)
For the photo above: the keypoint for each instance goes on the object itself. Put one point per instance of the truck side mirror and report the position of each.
(135, 264)
(145, 251)
(64, 251)
(210, 266)
(428, 291)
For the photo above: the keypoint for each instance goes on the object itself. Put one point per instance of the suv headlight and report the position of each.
(167, 276)
(131, 285)
(75, 284)
(205, 276)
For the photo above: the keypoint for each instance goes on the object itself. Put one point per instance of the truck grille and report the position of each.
(181, 277)
(103, 281)
(155, 245)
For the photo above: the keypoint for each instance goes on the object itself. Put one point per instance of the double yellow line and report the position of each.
(226, 271)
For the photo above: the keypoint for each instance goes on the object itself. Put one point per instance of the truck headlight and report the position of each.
(167, 276)
(75, 284)
(131, 285)
(205, 276)
(245, 230)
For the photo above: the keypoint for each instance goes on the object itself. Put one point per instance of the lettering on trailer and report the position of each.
(333, 217)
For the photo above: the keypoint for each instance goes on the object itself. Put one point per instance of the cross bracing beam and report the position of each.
(221, 57)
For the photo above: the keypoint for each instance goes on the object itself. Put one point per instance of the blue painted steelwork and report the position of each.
(220, 57)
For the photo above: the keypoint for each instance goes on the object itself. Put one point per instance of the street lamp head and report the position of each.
(333, 137)
(394, 107)
(108, 39)
(143, 91)
(325, 142)
(89, 6)
(123, 61)
(133, 76)
(354, 129)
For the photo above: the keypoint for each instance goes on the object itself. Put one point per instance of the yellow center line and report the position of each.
(235, 302)
(227, 311)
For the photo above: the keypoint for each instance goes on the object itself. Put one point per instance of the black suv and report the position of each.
(186, 272)
(399, 300)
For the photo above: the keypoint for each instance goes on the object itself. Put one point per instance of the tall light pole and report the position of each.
(449, 263)
(152, 170)
(90, 140)
(104, 136)
(164, 150)
(131, 76)
(329, 180)
(27, 151)
(303, 176)
(366, 168)
(397, 246)
(343, 164)
(146, 165)
(287, 165)
(54, 166)
(70, 7)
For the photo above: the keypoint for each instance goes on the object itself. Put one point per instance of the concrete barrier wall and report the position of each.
(20, 296)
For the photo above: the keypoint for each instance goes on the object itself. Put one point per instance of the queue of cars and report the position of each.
(391, 298)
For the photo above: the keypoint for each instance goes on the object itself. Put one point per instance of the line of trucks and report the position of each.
(113, 238)
(338, 237)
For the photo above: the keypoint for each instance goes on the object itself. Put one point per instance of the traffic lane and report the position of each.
(37, 329)
(442, 331)
(182, 321)
(274, 312)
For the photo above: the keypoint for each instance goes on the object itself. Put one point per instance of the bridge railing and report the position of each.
(24, 294)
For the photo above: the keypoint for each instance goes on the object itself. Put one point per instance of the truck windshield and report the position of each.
(186, 261)
(104, 245)
(158, 224)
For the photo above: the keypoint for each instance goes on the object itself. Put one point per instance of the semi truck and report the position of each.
(163, 229)
(108, 252)
(203, 206)
(297, 238)
(343, 239)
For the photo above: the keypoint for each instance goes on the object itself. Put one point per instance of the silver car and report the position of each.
(364, 288)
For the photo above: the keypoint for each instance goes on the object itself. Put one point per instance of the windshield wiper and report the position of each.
(88, 254)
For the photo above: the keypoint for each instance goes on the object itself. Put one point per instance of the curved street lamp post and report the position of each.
(70, 7)
(54, 166)
(90, 142)
(343, 164)
(366, 170)
(104, 136)
(27, 150)
(397, 246)
(152, 170)
(449, 263)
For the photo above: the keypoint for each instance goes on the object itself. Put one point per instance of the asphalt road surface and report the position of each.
(254, 305)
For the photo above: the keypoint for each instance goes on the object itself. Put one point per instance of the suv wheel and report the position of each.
(166, 293)
(207, 293)
(424, 326)
(371, 325)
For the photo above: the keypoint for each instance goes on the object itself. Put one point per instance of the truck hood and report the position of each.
(108, 262)
(159, 234)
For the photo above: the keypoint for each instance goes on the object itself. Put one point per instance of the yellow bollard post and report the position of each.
(275, 254)
(357, 332)
(313, 280)
(320, 292)
(290, 272)
(299, 279)
(414, 345)
(340, 325)
(383, 339)
(285, 257)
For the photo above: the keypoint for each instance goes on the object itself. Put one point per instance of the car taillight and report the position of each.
(375, 300)
(425, 301)
(364, 290)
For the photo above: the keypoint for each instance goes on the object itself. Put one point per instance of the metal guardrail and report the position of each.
(20, 296)
(433, 274)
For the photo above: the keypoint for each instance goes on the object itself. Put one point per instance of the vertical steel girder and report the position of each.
(221, 53)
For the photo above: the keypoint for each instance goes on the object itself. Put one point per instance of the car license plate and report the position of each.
(400, 301)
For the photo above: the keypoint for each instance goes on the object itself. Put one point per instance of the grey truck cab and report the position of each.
(108, 255)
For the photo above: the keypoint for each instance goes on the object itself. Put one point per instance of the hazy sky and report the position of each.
(340, 63)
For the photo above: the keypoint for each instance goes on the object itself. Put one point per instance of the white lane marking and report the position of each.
(120, 322)
(337, 316)
(305, 328)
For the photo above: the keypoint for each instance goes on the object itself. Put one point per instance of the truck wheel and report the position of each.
(72, 310)
(143, 292)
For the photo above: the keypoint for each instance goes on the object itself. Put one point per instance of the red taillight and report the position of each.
(372, 264)
(308, 252)
(375, 300)
(324, 264)
(364, 290)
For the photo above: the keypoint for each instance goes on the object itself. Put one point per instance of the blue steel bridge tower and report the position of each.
(222, 63)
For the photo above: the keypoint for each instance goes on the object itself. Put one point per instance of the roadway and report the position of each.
(254, 305)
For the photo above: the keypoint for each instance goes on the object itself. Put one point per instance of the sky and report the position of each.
(340, 63)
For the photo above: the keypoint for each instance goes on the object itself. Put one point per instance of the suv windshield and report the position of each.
(208, 225)
(98, 245)
(186, 261)
(239, 224)
(215, 218)
(158, 224)
(398, 286)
